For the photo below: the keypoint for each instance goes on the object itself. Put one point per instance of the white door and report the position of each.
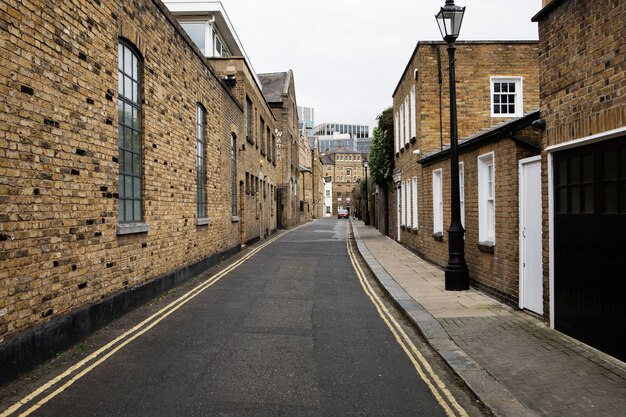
(531, 269)
(399, 209)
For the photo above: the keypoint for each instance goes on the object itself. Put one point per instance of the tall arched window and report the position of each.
(201, 161)
(233, 173)
(129, 134)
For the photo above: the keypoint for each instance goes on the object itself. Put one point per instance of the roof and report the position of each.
(546, 10)
(327, 159)
(275, 85)
(499, 131)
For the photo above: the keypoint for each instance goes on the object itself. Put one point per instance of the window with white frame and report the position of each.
(402, 127)
(407, 187)
(506, 97)
(462, 191)
(438, 201)
(413, 119)
(486, 198)
(414, 195)
(407, 118)
(397, 131)
(403, 203)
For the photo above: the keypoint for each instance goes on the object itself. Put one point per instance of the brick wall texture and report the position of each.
(58, 156)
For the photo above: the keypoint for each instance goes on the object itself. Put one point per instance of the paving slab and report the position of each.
(512, 360)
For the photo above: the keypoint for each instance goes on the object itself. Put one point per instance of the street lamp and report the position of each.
(367, 191)
(449, 20)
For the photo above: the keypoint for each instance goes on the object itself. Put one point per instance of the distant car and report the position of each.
(342, 214)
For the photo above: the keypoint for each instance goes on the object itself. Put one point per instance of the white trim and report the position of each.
(438, 203)
(415, 223)
(519, 103)
(484, 233)
(462, 192)
(588, 140)
(551, 238)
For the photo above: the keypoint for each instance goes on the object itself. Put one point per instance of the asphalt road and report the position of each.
(290, 332)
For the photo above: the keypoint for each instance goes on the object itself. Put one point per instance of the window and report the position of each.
(486, 199)
(402, 127)
(197, 33)
(397, 131)
(462, 191)
(268, 144)
(413, 118)
(219, 48)
(407, 118)
(247, 183)
(201, 162)
(261, 135)
(506, 97)
(327, 193)
(327, 209)
(129, 135)
(414, 195)
(338, 196)
(403, 203)
(248, 118)
(438, 202)
(233, 173)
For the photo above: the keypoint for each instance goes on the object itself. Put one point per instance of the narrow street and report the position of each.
(290, 331)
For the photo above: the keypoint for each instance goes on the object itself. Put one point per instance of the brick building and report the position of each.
(583, 106)
(130, 160)
(497, 96)
(344, 170)
(280, 92)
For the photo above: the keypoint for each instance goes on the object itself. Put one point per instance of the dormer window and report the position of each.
(206, 37)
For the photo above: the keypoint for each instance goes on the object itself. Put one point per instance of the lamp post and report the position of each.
(367, 191)
(449, 20)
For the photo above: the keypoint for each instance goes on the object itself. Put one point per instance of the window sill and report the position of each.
(205, 221)
(234, 219)
(402, 149)
(132, 228)
(397, 154)
(486, 247)
(262, 152)
(414, 230)
(413, 140)
(406, 145)
(250, 140)
(438, 236)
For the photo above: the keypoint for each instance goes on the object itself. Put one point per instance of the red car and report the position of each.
(342, 214)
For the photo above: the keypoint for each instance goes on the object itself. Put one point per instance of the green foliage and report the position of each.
(381, 149)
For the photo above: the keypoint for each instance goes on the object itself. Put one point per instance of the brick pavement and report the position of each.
(546, 371)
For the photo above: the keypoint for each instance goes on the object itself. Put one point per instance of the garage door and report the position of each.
(590, 244)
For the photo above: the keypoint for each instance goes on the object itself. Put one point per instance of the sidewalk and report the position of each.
(512, 361)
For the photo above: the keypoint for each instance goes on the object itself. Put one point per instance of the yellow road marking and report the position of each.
(423, 368)
(164, 312)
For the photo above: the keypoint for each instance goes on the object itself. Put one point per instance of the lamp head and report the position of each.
(449, 20)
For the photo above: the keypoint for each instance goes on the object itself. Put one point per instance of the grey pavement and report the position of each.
(516, 364)
(290, 332)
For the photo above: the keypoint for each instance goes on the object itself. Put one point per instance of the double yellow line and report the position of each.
(80, 369)
(439, 390)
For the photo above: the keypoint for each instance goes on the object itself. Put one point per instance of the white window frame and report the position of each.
(519, 96)
(462, 191)
(407, 208)
(402, 127)
(397, 129)
(403, 203)
(438, 201)
(407, 120)
(413, 119)
(414, 223)
(487, 198)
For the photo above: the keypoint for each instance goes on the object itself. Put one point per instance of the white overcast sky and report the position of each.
(348, 55)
